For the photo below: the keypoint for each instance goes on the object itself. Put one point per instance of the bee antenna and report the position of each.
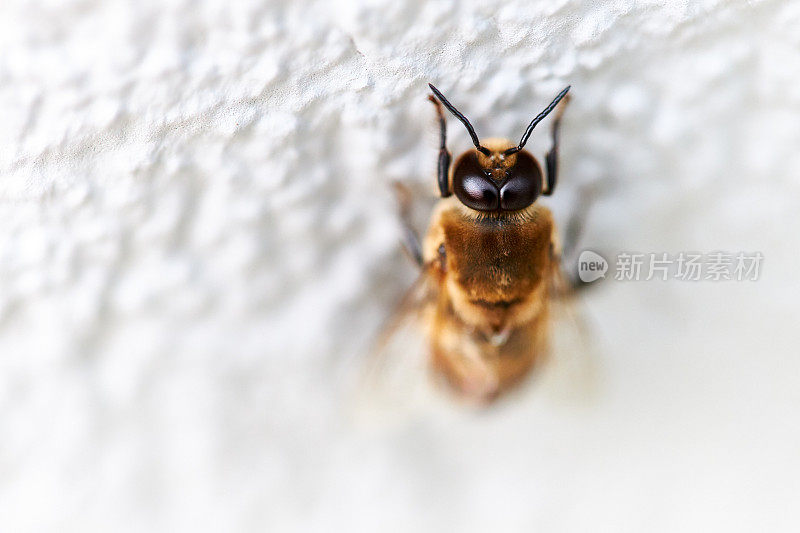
(538, 118)
(462, 118)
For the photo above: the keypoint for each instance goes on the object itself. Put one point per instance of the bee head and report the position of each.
(497, 182)
(497, 175)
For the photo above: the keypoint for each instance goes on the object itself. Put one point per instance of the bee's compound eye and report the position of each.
(473, 186)
(477, 192)
(517, 193)
(524, 186)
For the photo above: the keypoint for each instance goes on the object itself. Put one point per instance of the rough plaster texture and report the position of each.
(197, 243)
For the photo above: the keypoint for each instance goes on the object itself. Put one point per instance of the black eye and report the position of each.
(524, 186)
(472, 186)
(477, 192)
(518, 193)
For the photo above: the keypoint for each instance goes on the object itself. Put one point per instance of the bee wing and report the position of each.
(395, 377)
(421, 292)
(566, 304)
(572, 369)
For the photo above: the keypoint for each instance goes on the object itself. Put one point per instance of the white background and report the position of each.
(198, 244)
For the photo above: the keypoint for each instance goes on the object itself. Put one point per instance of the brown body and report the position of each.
(488, 322)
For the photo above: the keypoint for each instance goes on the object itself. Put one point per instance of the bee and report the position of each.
(490, 261)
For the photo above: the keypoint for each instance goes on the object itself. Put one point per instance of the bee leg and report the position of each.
(574, 231)
(410, 239)
(577, 221)
(443, 167)
(551, 158)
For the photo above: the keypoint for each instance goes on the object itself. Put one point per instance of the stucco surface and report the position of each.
(198, 244)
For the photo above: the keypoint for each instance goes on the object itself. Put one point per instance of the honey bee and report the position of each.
(490, 261)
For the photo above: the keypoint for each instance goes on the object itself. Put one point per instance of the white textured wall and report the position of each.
(197, 243)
